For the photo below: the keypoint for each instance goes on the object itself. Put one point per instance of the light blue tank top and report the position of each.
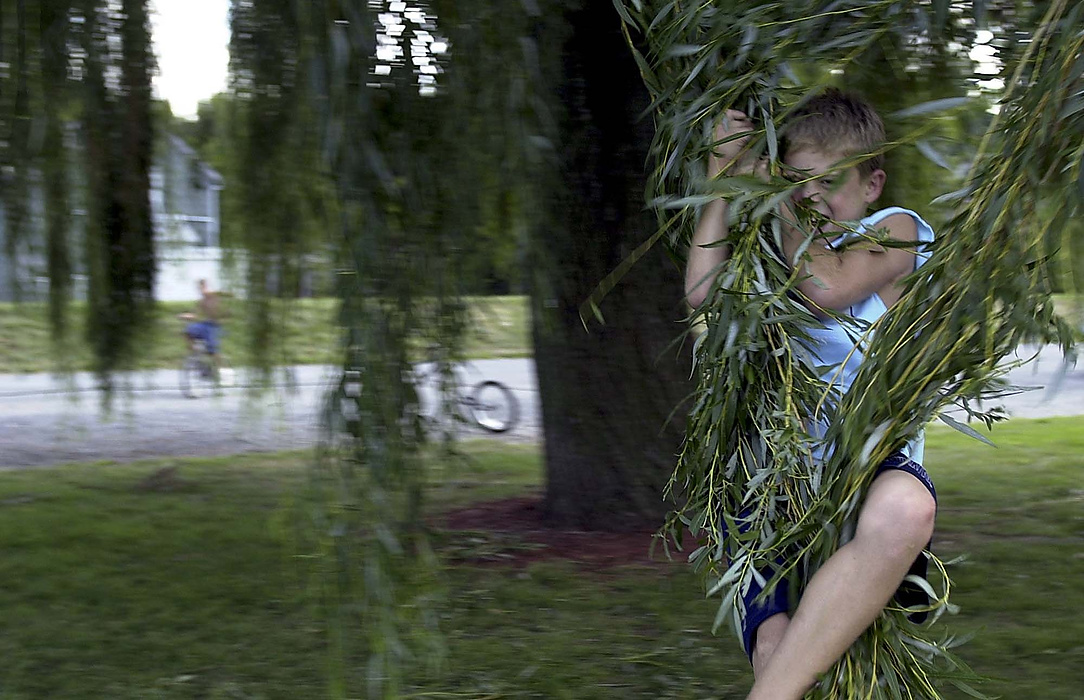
(839, 347)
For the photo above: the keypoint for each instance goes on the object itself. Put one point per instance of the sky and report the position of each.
(191, 40)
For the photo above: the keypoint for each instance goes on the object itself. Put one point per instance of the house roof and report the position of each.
(212, 175)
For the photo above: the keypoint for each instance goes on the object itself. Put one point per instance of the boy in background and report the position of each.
(205, 322)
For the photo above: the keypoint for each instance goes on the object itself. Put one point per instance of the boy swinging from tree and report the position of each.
(789, 648)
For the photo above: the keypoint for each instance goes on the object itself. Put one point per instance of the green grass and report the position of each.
(114, 591)
(1017, 512)
(310, 330)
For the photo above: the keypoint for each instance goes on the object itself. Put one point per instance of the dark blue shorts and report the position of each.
(907, 595)
(898, 461)
(207, 331)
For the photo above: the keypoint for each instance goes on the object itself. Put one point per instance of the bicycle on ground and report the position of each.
(488, 404)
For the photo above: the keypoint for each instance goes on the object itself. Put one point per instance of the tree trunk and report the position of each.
(54, 69)
(606, 391)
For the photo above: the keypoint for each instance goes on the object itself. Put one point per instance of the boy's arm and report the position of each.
(839, 278)
(703, 262)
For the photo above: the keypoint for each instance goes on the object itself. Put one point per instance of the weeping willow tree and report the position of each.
(75, 133)
(397, 138)
(34, 95)
(985, 290)
(15, 87)
(55, 34)
(279, 196)
(426, 147)
(117, 144)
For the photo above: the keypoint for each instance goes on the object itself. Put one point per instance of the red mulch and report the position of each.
(512, 532)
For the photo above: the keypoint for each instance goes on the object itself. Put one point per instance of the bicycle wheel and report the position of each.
(493, 406)
(198, 377)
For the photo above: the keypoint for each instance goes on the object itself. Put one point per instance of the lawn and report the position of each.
(308, 326)
(120, 587)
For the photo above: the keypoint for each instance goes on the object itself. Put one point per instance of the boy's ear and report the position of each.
(875, 184)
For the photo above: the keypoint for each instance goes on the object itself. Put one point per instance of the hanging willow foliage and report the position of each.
(117, 138)
(17, 156)
(75, 134)
(55, 35)
(750, 488)
(354, 93)
(397, 142)
(279, 196)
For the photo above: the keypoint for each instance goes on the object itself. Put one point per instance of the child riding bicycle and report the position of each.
(204, 325)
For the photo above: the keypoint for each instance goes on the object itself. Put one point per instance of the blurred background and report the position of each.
(391, 203)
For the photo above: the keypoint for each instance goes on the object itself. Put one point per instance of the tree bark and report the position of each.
(608, 390)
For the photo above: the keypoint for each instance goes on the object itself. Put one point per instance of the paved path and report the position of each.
(1058, 387)
(43, 421)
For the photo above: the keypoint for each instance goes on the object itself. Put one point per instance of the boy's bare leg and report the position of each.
(768, 636)
(851, 589)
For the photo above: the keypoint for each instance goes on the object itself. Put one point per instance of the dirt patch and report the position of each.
(513, 532)
(164, 480)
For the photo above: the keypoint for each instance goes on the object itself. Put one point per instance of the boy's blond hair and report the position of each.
(840, 123)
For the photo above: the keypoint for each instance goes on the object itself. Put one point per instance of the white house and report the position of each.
(185, 198)
(185, 207)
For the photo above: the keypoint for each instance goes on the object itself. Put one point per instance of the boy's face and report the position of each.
(841, 196)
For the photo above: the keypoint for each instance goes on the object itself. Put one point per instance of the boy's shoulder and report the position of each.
(898, 214)
(882, 214)
(924, 233)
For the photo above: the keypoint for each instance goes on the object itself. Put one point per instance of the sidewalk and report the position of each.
(44, 421)
(1060, 392)
(1060, 387)
(45, 383)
